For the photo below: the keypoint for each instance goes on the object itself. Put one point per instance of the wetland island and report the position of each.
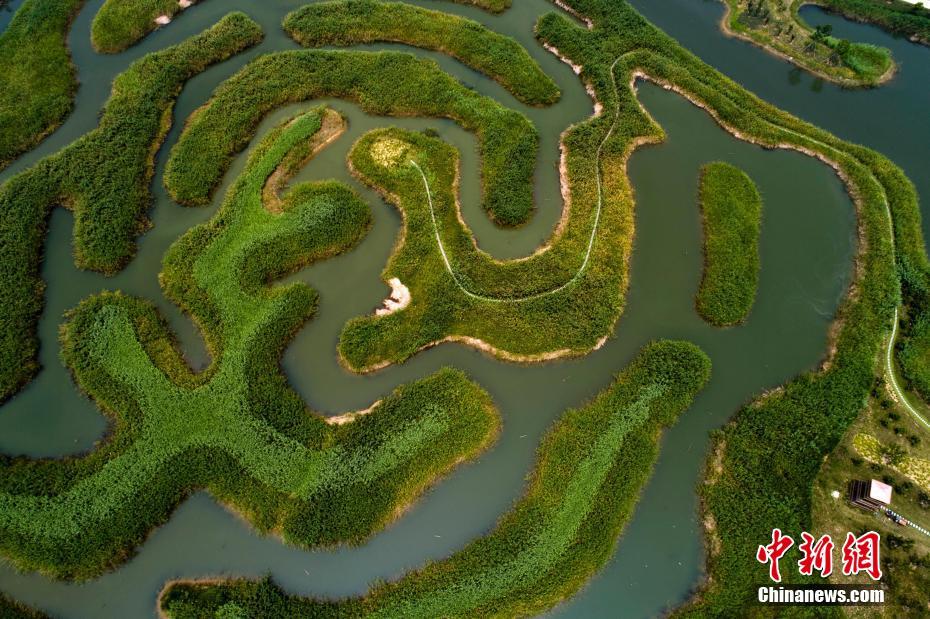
(375, 308)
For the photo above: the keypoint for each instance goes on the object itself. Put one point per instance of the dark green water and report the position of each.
(807, 244)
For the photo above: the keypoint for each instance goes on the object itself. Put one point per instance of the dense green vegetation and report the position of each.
(492, 6)
(120, 23)
(776, 26)
(351, 22)
(560, 301)
(103, 178)
(523, 308)
(383, 83)
(914, 351)
(591, 467)
(731, 211)
(237, 428)
(11, 609)
(896, 16)
(37, 84)
(764, 462)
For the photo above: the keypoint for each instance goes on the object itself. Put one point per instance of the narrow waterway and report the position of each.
(807, 244)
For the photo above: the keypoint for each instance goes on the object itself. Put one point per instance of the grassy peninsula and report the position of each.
(895, 16)
(385, 83)
(590, 469)
(103, 178)
(121, 23)
(236, 428)
(776, 26)
(352, 22)
(38, 83)
(731, 212)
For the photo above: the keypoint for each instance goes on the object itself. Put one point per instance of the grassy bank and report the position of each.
(236, 429)
(763, 463)
(351, 22)
(103, 178)
(546, 305)
(590, 469)
(731, 213)
(121, 23)
(11, 609)
(383, 83)
(38, 81)
(491, 6)
(776, 26)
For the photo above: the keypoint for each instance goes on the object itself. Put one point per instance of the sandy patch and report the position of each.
(587, 22)
(388, 152)
(598, 107)
(338, 420)
(398, 299)
(332, 126)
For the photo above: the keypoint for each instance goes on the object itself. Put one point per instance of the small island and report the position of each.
(731, 212)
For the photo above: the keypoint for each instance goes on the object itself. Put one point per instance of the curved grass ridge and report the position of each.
(731, 210)
(518, 319)
(119, 24)
(11, 609)
(38, 82)
(590, 469)
(764, 462)
(382, 83)
(122, 23)
(103, 178)
(351, 22)
(236, 429)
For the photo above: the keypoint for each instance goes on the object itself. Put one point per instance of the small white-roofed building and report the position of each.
(870, 495)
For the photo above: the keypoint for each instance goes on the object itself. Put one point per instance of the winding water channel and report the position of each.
(806, 249)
